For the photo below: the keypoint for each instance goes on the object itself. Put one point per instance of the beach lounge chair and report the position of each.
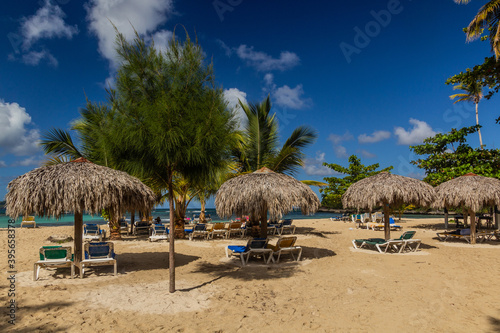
(141, 227)
(28, 221)
(254, 247)
(54, 256)
(285, 225)
(98, 254)
(219, 229)
(158, 232)
(464, 234)
(92, 231)
(286, 245)
(199, 230)
(383, 245)
(235, 228)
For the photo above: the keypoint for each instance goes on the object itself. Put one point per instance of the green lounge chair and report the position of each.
(54, 256)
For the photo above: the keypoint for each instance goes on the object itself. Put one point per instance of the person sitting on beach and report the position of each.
(158, 220)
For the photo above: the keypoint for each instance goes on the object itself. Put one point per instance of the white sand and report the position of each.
(444, 287)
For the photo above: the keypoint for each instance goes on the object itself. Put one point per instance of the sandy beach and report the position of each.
(444, 287)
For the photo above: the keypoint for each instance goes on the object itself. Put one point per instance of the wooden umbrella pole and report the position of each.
(445, 218)
(263, 221)
(387, 223)
(78, 240)
(472, 215)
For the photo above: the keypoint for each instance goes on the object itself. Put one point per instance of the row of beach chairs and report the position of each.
(96, 254)
(225, 230)
(259, 247)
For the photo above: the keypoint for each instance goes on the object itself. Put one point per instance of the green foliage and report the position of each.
(448, 156)
(259, 145)
(486, 18)
(332, 194)
(486, 74)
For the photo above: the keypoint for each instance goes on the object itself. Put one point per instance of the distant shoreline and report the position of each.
(407, 212)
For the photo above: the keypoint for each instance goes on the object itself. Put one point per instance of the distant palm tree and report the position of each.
(260, 142)
(473, 92)
(487, 18)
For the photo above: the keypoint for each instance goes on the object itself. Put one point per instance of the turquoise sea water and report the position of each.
(68, 219)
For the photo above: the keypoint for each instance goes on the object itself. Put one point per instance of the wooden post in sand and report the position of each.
(78, 240)
(496, 214)
(445, 218)
(387, 223)
(472, 227)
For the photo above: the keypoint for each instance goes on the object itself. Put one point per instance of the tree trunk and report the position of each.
(171, 257)
(202, 218)
(78, 240)
(479, 130)
(387, 223)
(114, 229)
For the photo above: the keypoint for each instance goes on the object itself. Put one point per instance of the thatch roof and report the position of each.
(472, 191)
(386, 188)
(251, 193)
(79, 186)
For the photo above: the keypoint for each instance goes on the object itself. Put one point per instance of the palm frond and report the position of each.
(59, 142)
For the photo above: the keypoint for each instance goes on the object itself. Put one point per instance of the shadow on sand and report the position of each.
(144, 261)
(257, 269)
(29, 311)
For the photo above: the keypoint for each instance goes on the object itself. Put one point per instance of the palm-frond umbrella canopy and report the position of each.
(78, 186)
(471, 191)
(264, 191)
(387, 190)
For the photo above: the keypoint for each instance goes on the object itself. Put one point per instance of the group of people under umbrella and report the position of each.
(81, 186)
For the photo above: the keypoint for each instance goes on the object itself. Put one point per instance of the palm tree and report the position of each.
(473, 92)
(487, 18)
(260, 142)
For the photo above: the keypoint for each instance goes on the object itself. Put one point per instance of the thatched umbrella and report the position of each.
(78, 186)
(471, 191)
(386, 190)
(264, 191)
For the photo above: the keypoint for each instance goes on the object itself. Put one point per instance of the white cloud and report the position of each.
(340, 151)
(144, 16)
(48, 22)
(2, 164)
(14, 137)
(30, 161)
(366, 153)
(264, 62)
(269, 80)
(291, 98)
(161, 39)
(337, 139)
(233, 96)
(315, 167)
(33, 58)
(420, 131)
(374, 137)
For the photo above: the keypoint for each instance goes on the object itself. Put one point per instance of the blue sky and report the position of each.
(368, 76)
